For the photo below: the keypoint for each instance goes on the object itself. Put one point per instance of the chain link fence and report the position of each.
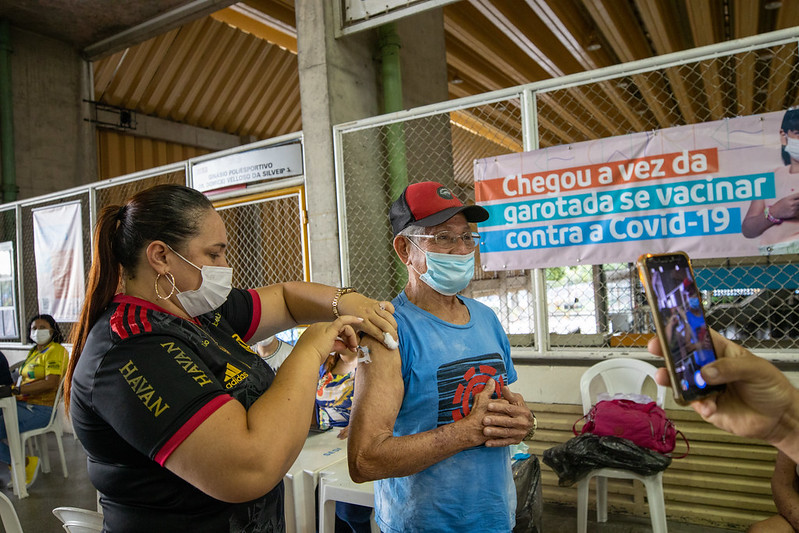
(260, 229)
(749, 299)
(265, 241)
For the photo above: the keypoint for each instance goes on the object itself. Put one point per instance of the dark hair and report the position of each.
(790, 122)
(57, 335)
(169, 213)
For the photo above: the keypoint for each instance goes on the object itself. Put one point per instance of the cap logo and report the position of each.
(444, 193)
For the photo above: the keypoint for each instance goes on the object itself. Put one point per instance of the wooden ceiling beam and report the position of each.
(745, 17)
(253, 24)
(469, 122)
(783, 61)
(575, 33)
(240, 96)
(542, 49)
(189, 71)
(495, 49)
(620, 28)
(780, 68)
(475, 70)
(706, 19)
(237, 72)
(202, 111)
(142, 64)
(267, 70)
(105, 70)
(278, 98)
(215, 58)
(176, 58)
(463, 24)
(533, 38)
(663, 23)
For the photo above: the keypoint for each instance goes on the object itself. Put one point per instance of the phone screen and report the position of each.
(677, 308)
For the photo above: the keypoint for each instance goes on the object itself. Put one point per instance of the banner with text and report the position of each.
(269, 163)
(710, 189)
(58, 252)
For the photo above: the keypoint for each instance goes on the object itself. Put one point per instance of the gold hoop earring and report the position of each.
(171, 280)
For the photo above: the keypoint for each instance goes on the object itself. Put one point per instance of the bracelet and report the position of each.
(771, 218)
(531, 433)
(339, 293)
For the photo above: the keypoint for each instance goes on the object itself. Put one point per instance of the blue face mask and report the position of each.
(447, 274)
(693, 302)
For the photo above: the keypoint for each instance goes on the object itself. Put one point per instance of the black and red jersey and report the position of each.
(145, 380)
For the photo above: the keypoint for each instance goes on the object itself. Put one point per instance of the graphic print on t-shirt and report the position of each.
(459, 381)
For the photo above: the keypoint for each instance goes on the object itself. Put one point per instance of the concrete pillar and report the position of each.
(339, 82)
(55, 147)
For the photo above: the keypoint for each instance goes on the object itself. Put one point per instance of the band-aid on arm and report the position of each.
(363, 354)
(389, 341)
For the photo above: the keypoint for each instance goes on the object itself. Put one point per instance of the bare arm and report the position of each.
(755, 222)
(289, 304)
(40, 386)
(373, 451)
(784, 489)
(237, 455)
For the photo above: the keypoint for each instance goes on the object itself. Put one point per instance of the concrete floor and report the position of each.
(52, 490)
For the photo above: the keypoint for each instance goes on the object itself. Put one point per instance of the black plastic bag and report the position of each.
(573, 459)
(529, 505)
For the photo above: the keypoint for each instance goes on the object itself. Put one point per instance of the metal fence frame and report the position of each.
(89, 200)
(528, 95)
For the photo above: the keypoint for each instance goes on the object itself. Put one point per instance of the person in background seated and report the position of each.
(785, 491)
(40, 375)
(333, 406)
(273, 351)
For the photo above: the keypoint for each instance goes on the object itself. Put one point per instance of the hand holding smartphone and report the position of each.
(676, 305)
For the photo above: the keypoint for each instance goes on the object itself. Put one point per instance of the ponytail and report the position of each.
(104, 277)
(169, 213)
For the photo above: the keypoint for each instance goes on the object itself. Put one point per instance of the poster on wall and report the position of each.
(8, 299)
(269, 163)
(718, 189)
(58, 252)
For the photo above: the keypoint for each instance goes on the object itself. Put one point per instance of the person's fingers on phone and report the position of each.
(662, 377)
(705, 408)
(730, 369)
(654, 347)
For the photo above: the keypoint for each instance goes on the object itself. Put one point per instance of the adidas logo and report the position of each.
(234, 376)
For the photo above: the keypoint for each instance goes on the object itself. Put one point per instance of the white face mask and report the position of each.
(40, 336)
(212, 292)
(793, 148)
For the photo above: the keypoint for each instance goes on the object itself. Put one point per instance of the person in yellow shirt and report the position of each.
(40, 375)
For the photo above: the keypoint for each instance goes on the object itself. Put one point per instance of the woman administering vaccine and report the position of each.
(776, 221)
(185, 428)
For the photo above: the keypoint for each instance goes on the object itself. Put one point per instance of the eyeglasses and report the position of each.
(448, 240)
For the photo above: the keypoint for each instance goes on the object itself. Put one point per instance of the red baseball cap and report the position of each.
(429, 203)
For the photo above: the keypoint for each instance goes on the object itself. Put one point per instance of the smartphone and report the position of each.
(680, 324)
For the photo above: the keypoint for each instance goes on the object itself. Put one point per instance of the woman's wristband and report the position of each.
(771, 218)
(339, 293)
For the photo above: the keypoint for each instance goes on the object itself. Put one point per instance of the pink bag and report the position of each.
(645, 424)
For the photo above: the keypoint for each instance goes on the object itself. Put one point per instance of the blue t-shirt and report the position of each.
(443, 366)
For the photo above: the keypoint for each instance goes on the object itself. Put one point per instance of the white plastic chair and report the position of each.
(627, 376)
(8, 515)
(77, 520)
(55, 426)
(335, 485)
